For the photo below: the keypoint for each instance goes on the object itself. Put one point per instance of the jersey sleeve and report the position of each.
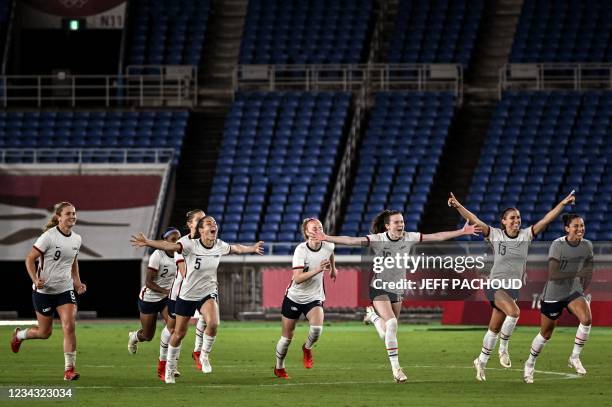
(299, 258)
(186, 244)
(154, 260)
(494, 234)
(374, 238)
(223, 247)
(331, 246)
(554, 252)
(413, 237)
(178, 258)
(43, 243)
(529, 234)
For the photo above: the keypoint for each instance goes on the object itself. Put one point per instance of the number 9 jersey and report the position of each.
(57, 253)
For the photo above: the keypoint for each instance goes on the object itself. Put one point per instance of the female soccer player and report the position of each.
(510, 248)
(306, 293)
(389, 238)
(54, 283)
(153, 296)
(199, 287)
(570, 266)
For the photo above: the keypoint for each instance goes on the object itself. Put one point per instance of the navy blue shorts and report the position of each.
(171, 305)
(553, 310)
(187, 308)
(490, 293)
(377, 293)
(47, 303)
(293, 310)
(148, 307)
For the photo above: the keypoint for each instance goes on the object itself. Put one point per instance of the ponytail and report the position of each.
(382, 219)
(57, 211)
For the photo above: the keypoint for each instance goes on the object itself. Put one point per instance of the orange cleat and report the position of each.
(15, 343)
(282, 373)
(308, 362)
(161, 369)
(196, 359)
(70, 374)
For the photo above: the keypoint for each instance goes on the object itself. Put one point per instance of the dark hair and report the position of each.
(199, 225)
(57, 212)
(503, 215)
(380, 220)
(189, 215)
(567, 218)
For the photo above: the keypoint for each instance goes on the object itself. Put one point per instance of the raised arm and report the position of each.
(467, 229)
(140, 240)
(553, 213)
(343, 240)
(257, 248)
(467, 215)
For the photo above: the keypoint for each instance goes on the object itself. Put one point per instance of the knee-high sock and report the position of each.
(172, 359)
(536, 347)
(506, 332)
(209, 341)
(69, 360)
(313, 335)
(488, 344)
(199, 332)
(163, 343)
(281, 351)
(582, 335)
(391, 342)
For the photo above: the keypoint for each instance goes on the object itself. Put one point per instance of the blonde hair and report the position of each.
(57, 211)
(305, 223)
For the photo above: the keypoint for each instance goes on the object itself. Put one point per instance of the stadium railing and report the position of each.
(86, 155)
(548, 76)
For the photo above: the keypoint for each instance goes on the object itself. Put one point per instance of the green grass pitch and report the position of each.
(351, 369)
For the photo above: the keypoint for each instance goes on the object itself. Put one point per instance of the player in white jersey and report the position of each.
(305, 294)
(55, 283)
(570, 267)
(510, 248)
(199, 287)
(387, 239)
(153, 296)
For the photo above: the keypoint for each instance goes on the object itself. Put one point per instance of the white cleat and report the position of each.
(480, 371)
(504, 359)
(177, 373)
(576, 364)
(399, 376)
(370, 313)
(169, 377)
(528, 373)
(132, 342)
(206, 367)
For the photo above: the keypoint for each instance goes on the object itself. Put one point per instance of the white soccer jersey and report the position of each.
(58, 253)
(178, 277)
(305, 258)
(510, 254)
(202, 263)
(384, 246)
(166, 269)
(572, 259)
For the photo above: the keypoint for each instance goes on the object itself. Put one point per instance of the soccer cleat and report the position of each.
(169, 376)
(177, 373)
(161, 369)
(206, 367)
(504, 359)
(480, 371)
(370, 313)
(282, 373)
(196, 358)
(528, 373)
(399, 376)
(70, 374)
(15, 343)
(132, 342)
(308, 362)
(576, 364)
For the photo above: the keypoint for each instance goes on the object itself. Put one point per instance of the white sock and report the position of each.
(199, 332)
(163, 343)
(391, 342)
(313, 335)
(22, 335)
(506, 332)
(488, 344)
(208, 343)
(536, 347)
(69, 360)
(582, 335)
(281, 351)
(172, 360)
(380, 326)
(178, 353)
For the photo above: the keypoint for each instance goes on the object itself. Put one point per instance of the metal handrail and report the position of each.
(77, 155)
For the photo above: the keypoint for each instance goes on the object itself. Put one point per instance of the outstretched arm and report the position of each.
(467, 229)
(344, 240)
(140, 240)
(257, 248)
(467, 215)
(553, 213)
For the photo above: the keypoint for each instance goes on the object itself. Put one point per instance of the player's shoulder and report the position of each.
(301, 248)
(328, 246)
